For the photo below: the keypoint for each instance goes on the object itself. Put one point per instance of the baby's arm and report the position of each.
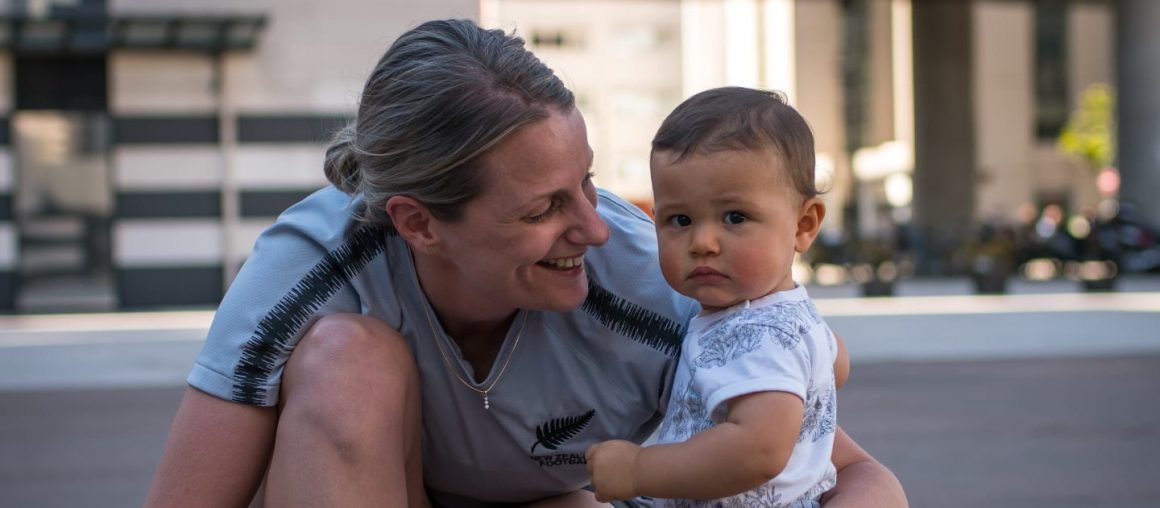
(745, 451)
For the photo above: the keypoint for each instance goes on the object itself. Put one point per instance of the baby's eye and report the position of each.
(734, 217)
(680, 221)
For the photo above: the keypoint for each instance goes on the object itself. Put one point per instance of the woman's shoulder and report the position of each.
(615, 208)
(321, 233)
(328, 215)
(325, 223)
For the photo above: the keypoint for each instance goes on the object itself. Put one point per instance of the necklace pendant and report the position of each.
(486, 402)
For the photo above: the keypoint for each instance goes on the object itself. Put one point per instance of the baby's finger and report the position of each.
(588, 453)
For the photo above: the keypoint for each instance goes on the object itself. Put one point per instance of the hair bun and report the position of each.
(341, 166)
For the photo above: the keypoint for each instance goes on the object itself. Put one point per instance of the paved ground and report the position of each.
(1044, 398)
(1035, 433)
(82, 448)
(1040, 433)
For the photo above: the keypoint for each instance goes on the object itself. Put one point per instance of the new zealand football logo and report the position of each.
(551, 434)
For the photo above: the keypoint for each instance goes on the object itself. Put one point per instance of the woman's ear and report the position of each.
(413, 221)
(810, 218)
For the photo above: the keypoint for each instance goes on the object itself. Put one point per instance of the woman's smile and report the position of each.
(575, 263)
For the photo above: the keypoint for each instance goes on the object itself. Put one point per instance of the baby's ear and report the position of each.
(810, 218)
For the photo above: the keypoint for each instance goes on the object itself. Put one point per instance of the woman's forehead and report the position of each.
(543, 154)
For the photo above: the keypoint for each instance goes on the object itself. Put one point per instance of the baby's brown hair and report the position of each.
(737, 118)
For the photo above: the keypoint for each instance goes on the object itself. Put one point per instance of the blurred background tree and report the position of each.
(1090, 133)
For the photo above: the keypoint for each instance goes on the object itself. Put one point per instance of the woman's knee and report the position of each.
(351, 348)
(350, 378)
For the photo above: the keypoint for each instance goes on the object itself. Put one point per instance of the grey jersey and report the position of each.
(599, 372)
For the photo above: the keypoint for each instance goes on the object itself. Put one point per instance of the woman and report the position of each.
(460, 330)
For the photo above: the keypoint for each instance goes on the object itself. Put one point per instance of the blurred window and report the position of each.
(556, 38)
(1051, 90)
(638, 103)
(641, 38)
(73, 82)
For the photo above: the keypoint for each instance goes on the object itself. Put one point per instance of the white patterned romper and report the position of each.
(776, 343)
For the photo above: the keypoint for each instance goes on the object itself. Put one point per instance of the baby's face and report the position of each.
(727, 225)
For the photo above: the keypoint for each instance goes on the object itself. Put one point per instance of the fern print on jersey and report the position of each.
(553, 433)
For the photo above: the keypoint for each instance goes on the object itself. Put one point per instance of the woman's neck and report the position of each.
(465, 317)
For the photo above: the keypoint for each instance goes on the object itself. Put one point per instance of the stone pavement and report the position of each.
(1040, 433)
(1041, 398)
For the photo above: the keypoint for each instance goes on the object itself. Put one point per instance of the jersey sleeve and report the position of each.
(298, 271)
(747, 356)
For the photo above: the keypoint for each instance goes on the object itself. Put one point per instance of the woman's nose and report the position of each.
(590, 228)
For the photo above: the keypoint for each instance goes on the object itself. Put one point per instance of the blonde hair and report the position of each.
(440, 97)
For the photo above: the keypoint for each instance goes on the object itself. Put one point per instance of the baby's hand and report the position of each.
(610, 463)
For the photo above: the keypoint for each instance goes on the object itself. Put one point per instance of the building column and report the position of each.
(9, 246)
(1138, 106)
(944, 173)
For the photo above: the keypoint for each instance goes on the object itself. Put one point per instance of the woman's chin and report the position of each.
(561, 301)
(560, 291)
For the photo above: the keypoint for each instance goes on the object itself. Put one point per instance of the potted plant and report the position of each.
(992, 259)
(874, 269)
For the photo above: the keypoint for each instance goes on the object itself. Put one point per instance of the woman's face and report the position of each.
(521, 243)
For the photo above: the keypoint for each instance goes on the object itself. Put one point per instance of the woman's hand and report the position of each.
(611, 463)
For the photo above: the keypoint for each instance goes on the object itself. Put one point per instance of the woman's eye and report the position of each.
(544, 215)
(681, 221)
(734, 217)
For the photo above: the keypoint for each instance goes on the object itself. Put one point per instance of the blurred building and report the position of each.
(147, 142)
(931, 115)
(622, 59)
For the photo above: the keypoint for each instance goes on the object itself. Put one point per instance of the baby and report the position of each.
(752, 415)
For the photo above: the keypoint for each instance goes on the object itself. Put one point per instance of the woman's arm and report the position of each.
(216, 455)
(841, 363)
(862, 481)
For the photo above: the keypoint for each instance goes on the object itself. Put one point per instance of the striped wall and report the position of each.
(191, 193)
(270, 178)
(167, 176)
(166, 230)
(171, 243)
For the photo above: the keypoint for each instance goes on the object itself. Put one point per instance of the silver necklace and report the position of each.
(447, 361)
